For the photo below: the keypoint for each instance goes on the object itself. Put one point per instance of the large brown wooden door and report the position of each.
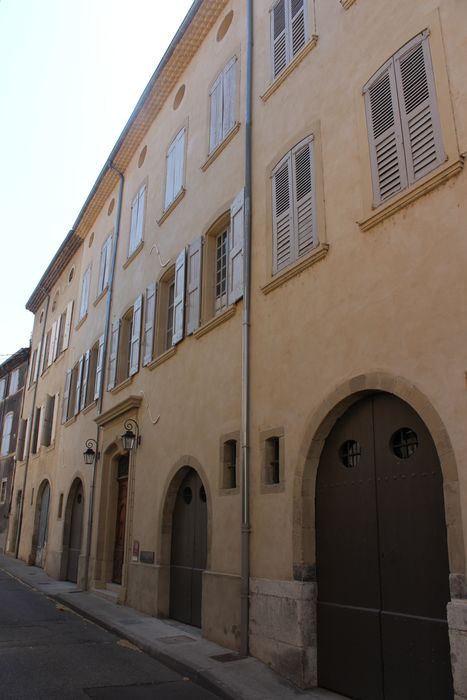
(76, 526)
(189, 550)
(120, 523)
(382, 563)
(43, 526)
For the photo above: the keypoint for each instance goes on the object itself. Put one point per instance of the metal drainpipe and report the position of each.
(26, 466)
(245, 541)
(104, 363)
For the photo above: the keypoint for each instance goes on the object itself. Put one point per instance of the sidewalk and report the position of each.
(179, 646)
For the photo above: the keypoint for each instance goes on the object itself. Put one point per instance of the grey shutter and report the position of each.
(179, 162)
(215, 127)
(279, 38)
(27, 439)
(32, 359)
(418, 107)
(99, 369)
(66, 333)
(79, 379)
(66, 396)
(56, 339)
(113, 354)
(38, 361)
(235, 256)
(53, 333)
(304, 218)
(282, 214)
(149, 321)
(230, 90)
(48, 416)
(45, 352)
(20, 443)
(193, 285)
(135, 336)
(169, 182)
(179, 298)
(298, 34)
(84, 382)
(387, 158)
(140, 221)
(133, 225)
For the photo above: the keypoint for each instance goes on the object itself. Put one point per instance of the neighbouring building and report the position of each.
(255, 330)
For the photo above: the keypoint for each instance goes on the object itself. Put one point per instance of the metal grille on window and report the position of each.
(221, 271)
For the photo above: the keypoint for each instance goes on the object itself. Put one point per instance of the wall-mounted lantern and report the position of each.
(131, 438)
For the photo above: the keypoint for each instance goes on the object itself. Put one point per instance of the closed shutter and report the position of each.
(66, 396)
(387, 157)
(149, 321)
(37, 361)
(298, 33)
(230, 90)
(47, 420)
(66, 332)
(99, 369)
(84, 382)
(235, 256)
(85, 293)
(179, 298)
(2, 388)
(32, 360)
(179, 162)
(282, 214)
(140, 220)
(279, 38)
(20, 443)
(419, 109)
(193, 285)
(53, 333)
(133, 225)
(215, 128)
(55, 416)
(305, 234)
(45, 352)
(169, 182)
(135, 336)
(79, 379)
(56, 339)
(113, 354)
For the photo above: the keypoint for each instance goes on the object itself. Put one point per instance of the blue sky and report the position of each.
(71, 72)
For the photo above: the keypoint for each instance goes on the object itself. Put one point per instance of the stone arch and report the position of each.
(319, 424)
(75, 484)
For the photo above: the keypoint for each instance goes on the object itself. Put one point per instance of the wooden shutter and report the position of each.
(235, 256)
(20, 443)
(193, 285)
(179, 162)
(113, 353)
(135, 336)
(2, 388)
(56, 339)
(47, 421)
(45, 351)
(304, 218)
(389, 173)
(66, 396)
(282, 214)
(99, 368)
(53, 333)
(133, 225)
(179, 298)
(32, 359)
(85, 293)
(149, 321)
(55, 416)
(104, 266)
(84, 381)
(230, 93)
(215, 128)
(140, 220)
(37, 361)
(421, 127)
(66, 332)
(79, 379)
(279, 38)
(298, 28)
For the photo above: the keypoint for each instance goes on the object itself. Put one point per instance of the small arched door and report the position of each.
(76, 528)
(43, 523)
(189, 550)
(382, 562)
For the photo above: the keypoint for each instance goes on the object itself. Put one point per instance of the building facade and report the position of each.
(263, 291)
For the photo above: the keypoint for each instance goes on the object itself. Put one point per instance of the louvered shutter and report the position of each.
(140, 220)
(193, 285)
(53, 333)
(37, 361)
(230, 90)
(279, 38)
(215, 128)
(419, 109)
(149, 321)
(32, 359)
(133, 225)
(282, 214)
(179, 162)
(235, 256)
(99, 369)
(84, 382)
(47, 421)
(85, 293)
(387, 158)
(66, 332)
(169, 184)
(304, 219)
(179, 298)
(55, 416)
(298, 31)
(56, 339)
(79, 379)
(66, 396)
(135, 336)
(103, 267)
(20, 443)
(27, 439)
(113, 354)
(45, 352)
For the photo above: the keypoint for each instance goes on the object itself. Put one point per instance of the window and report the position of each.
(175, 168)
(403, 121)
(6, 433)
(63, 329)
(2, 388)
(125, 345)
(3, 490)
(104, 267)
(272, 460)
(20, 444)
(229, 465)
(48, 415)
(164, 319)
(137, 220)
(149, 323)
(14, 382)
(289, 32)
(220, 291)
(85, 284)
(293, 204)
(90, 380)
(223, 102)
(35, 430)
(32, 374)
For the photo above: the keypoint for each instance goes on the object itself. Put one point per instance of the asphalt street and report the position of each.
(47, 653)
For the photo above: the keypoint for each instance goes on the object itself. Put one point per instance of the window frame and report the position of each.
(104, 265)
(137, 222)
(224, 128)
(5, 446)
(171, 194)
(85, 293)
(288, 34)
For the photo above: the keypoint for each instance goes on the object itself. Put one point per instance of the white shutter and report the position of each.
(99, 369)
(45, 352)
(135, 336)
(55, 417)
(282, 214)
(215, 128)
(45, 434)
(85, 293)
(298, 30)
(388, 167)
(66, 332)
(108, 255)
(53, 333)
(113, 354)
(419, 109)
(103, 267)
(84, 382)
(193, 285)
(32, 359)
(279, 38)
(235, 256)
(37, 361)
(304, 218)
(79, 379)
(179, 162)
(66, 396)
(179, 298)
(149, 321)
(27, 439)
(133, 225)
(2, 388)
(140, 220)
(169, 183)
(20, 443)
(230, 100)
(56, 339)
(6, 434)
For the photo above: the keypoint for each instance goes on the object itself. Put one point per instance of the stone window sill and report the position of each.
(122, 385)
(162, 358)
(100, 296)
(131, 257)
(171, 207)
(411, 195)
(215, 321)
(89, 407)
(81, 321)
(280, 278)
(70, 421)
(218, 150)
(272, 488)
(347, 3)
(309, 46)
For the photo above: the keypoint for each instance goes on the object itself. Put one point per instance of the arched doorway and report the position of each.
(120, 521)
(42, 515)
(381, 555)
(188, 550)
(74, 528)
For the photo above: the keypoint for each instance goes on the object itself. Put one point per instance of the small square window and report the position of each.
(229, 465)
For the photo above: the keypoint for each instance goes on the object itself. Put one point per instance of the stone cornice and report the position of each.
(119, 409)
